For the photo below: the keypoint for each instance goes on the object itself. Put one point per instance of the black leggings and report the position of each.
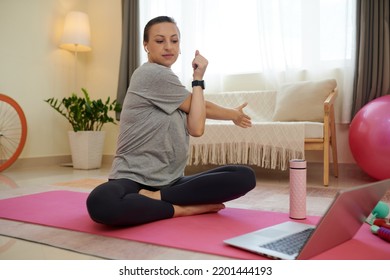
(117, 202)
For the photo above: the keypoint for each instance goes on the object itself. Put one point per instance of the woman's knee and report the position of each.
(248, 176)
(242, 178)
(110, 206)
(100, 206)
(105, 202)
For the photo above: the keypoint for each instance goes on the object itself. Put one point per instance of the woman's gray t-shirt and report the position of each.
(153, 141)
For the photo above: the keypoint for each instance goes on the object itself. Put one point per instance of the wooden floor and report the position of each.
(271, 193)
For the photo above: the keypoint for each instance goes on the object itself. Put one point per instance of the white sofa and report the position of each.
(285, 123)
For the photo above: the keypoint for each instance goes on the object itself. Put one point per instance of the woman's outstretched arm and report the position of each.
(237, 115)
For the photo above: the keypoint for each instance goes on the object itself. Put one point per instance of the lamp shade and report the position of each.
(76, 36)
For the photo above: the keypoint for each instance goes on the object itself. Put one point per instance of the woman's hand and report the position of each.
(199, 64)
(241, 119)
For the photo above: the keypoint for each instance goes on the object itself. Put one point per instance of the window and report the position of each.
(281, 40)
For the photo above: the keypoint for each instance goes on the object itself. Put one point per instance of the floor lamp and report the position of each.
(76, 36)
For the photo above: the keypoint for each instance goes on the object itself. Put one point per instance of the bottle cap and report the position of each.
(381, 210)
(298, 163)
(374, 229)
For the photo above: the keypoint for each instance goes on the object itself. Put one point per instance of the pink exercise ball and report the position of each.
(369, 138)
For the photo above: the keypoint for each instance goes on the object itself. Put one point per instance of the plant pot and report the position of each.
(86, 148)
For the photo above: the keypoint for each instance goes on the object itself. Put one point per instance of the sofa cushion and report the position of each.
(303, 101)
(314, 130)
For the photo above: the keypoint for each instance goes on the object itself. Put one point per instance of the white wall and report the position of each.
(33, 68)
(103, 61)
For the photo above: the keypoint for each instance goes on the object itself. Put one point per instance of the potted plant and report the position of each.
(87, 118)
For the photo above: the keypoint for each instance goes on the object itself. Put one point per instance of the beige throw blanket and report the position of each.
(266, 144)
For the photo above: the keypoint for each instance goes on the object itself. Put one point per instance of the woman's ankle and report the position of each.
(190, 210)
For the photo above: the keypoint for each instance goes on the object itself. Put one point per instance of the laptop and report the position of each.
(294, 240)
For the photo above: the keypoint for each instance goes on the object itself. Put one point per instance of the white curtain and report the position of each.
(262, 44)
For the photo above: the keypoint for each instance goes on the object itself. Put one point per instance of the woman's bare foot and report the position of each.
(190, 210)
(150, 194)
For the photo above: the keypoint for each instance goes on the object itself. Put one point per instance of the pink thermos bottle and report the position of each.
(298, 189)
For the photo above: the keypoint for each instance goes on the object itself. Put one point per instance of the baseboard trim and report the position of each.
(52, 160)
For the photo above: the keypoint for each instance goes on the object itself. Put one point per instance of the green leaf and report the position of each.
(83, 113)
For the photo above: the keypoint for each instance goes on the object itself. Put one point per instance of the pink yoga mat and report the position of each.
(202, 233)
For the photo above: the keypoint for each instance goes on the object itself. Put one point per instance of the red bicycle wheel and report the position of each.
(13, 131)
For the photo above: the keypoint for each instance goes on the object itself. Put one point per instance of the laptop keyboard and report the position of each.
(291, 244)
